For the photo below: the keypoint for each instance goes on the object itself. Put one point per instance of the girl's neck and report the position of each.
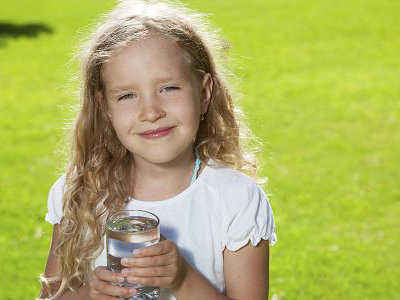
(153, 182)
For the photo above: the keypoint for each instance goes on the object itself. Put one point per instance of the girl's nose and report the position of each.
(151, 109)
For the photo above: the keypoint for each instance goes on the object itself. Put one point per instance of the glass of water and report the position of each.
(126, 231)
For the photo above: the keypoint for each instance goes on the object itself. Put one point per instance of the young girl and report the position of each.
(158, 131)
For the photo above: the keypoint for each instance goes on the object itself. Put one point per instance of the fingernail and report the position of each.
(121, 279)
(124, 271)
(132, 291)
(124, 261)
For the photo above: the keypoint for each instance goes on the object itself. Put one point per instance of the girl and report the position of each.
(158, 131)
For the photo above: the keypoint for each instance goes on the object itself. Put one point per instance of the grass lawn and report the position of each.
(321, 81)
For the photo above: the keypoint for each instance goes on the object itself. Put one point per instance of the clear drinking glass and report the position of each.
(126, 231)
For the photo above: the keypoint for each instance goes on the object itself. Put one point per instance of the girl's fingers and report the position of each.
(109, 289)
(166, 271)
(103, 274)
(152, 281)
(105, 283)
(150, 261)
(156, 265)
(160, 248)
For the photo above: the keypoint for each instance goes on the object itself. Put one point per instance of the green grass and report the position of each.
(322, 89)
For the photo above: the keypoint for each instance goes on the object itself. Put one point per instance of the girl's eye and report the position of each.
(169, 88)
(126, 96)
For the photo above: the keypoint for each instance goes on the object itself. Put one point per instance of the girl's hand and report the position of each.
(158, 265)
(101, 285)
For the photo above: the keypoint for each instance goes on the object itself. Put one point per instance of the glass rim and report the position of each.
(133, 210)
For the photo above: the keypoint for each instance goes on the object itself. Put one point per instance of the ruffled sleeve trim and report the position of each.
(236, 245)
(51, 219)
(54, 201)
(249, 219)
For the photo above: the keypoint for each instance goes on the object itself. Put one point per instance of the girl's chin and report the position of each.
(164, 157)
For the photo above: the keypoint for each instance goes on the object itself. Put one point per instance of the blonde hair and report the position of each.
(99, 164)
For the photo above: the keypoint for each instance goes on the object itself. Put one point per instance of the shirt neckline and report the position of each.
(202, 175)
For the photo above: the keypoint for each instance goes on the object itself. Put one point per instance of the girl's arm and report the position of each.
(99, 286)
(246, 272)
(246, 276)
(162, 264)
(52, 266)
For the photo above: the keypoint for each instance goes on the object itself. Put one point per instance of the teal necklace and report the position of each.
(196, 168)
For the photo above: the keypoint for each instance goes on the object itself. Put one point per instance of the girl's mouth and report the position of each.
(157, 133)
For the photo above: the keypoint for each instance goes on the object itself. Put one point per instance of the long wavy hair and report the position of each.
(99, 164)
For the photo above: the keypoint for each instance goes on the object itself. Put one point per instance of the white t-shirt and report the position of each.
(222, 209)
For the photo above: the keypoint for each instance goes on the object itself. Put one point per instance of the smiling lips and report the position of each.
(158, 133)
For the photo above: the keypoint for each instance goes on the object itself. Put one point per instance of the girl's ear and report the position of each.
(206, 92)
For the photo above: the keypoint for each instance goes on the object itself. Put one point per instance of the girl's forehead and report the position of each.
(154, 46)
(153, 56)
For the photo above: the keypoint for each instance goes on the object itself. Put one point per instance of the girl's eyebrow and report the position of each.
(156, 81)
(120, 89)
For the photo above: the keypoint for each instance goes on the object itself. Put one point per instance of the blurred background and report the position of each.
(321, 85)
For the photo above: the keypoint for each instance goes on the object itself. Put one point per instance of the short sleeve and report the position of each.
(248, 217)
(54, 201)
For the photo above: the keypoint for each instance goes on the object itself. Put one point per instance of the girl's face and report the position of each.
(154, 99)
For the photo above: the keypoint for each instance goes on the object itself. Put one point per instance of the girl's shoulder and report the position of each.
(59, 184)
(243, 208)
(233, 188)
(54, 201)
(224, 176)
